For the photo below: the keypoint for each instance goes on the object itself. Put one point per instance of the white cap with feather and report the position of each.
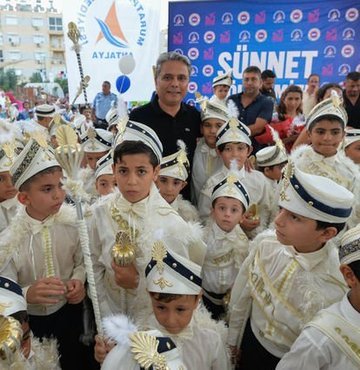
(176, 165)
(8, 145)
(233, 131)
(223, 79)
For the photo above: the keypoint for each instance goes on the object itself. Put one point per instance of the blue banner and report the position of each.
(293, 39)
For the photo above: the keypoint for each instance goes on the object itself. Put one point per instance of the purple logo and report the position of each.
(278, 36)
(194, 19)
(225, 37)
(244, 36)
(192, 87)
(227, 18)
(209, 37)
(296, 35)
(243, 17)
(208, 70)
(334, 15)
(330, 51)
(344, 70)
(260, 18)
(296, 16)
(209, 54)
(210, 19)
(193, 38)
(313, 16)
(178, 20)
(314, 34)
(178, 38)
(348, 34)
(331, 35)
(193, 53)
(352, 15)
(327, 70)
(347, 51)
(279, 16)
(206, 88)
(260, 35)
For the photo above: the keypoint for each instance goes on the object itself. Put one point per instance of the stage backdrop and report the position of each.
(294, 39)
(110, 30)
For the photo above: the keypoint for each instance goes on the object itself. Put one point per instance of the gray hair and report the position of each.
(168, 56)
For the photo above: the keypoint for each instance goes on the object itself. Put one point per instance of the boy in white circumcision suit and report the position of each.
(233, 143)
(174, 171)
(227, 244)
(128, 218)
(331, 340)
(291, 273)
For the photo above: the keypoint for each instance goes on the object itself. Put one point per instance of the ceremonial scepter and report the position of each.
(74, 36)
(69, 154)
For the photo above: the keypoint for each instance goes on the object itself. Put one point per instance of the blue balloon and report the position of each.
(123, 84)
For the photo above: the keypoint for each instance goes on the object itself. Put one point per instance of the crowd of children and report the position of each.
(259, 271)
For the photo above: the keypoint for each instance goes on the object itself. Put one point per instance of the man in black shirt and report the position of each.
(352, 99)
(268, 82)
(167, 114)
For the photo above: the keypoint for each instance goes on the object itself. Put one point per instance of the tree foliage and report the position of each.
(35, 77)
(8, 80)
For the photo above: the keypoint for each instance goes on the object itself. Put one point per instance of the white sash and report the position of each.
(341, 332)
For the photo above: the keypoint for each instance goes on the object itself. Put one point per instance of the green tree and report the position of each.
(63, 82)
(8, 80)
(35, 77)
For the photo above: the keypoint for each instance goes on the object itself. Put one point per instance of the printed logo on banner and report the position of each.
(279, 17)
(179, 51)
(208, 70)
(191, 102)
(296, 35)
(193, 53)
(244, 36)
(243, 17)
(348, 34)
(178, 20)
(313, 16)
(334, 15)
(209, 37)
(192, 87)
(194, 71)
(210, 19)
(193, 38)
(331, 35)
(208, 54)
(206, 88)
(347, 51)
(278, 35)
(296, 16)
(194, 19)
(352, 14)
(357, 69)
(344, 69)
(225, 37)
(327, 70)
(260, 17)
(227, 18)
(260, 35)
(178, 38)
(110, 29)
(314, 34)
(330, 51)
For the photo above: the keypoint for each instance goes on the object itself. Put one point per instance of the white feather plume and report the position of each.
(119, 328)
(234, 168)
(232, 109)
(7, 132)
(181, 145)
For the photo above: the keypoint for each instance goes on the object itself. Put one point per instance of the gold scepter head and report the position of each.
(10, 337)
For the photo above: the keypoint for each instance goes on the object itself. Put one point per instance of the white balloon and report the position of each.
(127, 64)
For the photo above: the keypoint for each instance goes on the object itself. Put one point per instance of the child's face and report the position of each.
(326, 137)
(221, 91)
(134, 175)
(44, 196)
(7, 189)
(274, 172)
(353, 283)
(209, 128)
(238, 151)
(292, 101)
(176, 315)
(105, 184)
(300, 232)
(92, 158)
(169, 187)
(227, 213)
(87, 113)
(353, 151)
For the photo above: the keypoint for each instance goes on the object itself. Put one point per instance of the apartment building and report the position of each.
(32, 38)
